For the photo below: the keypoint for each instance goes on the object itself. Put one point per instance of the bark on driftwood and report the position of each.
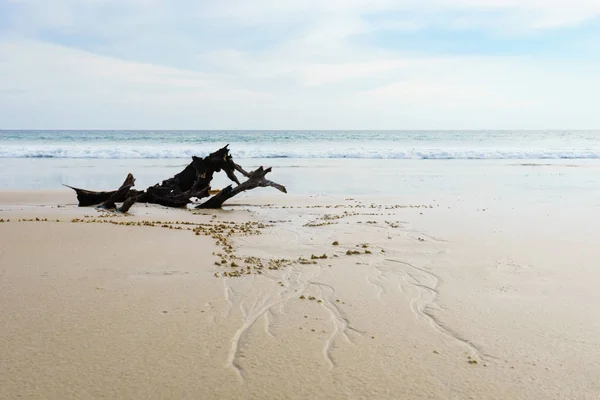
(255, 179)
(192, 182)
(90, 198)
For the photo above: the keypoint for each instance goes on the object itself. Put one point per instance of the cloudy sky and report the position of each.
(299, 64)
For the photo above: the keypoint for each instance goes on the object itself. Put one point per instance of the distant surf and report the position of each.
(126, 152)
(420, 145)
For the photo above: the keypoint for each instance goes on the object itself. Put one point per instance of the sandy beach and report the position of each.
(279, 297)
(299, 199)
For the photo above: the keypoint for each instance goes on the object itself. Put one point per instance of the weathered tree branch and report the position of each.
(120, 195)
(193, 182)
(91, 198)
(255, 179)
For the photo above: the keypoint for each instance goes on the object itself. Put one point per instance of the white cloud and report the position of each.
(314, 67)
(55, 87)
(79, 15)
(37, 77)
(515, 14)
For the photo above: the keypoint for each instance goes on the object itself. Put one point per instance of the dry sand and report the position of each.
(444, 301)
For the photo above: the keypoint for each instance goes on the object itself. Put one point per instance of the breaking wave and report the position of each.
(317, 151)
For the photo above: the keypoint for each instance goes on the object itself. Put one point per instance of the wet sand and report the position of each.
(417, 299)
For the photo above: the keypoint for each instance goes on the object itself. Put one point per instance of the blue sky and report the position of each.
(299, 64)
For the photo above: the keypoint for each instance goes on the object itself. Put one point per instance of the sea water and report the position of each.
(448, 145)
(546, 164)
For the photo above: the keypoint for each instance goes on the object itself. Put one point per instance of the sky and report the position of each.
(299, 64)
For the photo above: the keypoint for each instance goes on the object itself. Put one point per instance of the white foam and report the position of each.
(325, 150)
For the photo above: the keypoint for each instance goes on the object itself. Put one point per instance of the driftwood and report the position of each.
(255, 179)
(90, 198)
(178, 191)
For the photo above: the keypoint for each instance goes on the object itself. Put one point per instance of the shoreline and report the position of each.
(337, 177)
(462, 301)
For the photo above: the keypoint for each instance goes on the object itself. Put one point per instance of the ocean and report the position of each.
(314, 162)
(426, 145)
